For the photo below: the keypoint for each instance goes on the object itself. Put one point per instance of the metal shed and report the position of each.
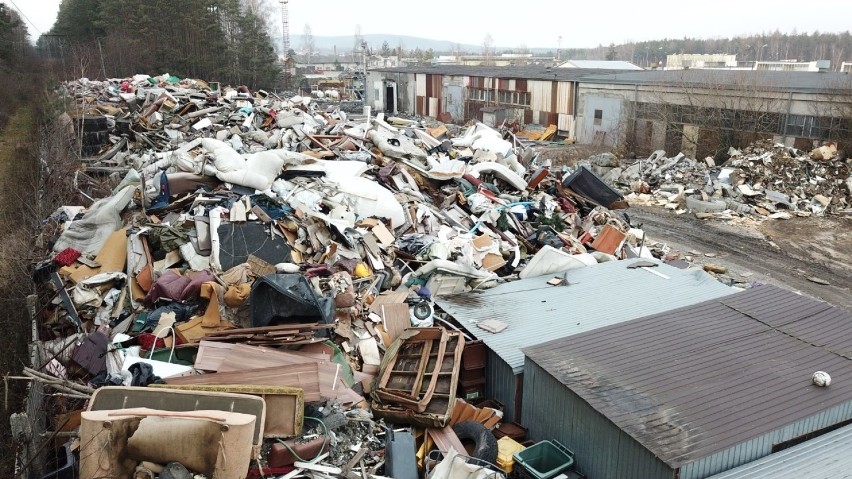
(597, 296)
(823, 457)
(695, 391)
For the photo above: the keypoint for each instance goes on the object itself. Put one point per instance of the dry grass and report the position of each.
(18, 160)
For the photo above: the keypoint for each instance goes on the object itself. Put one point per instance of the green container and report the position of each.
(545, 459)
(182, 355)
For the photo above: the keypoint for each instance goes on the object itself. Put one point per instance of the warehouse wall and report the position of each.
(603, 451)
(501, 384)
(759, 447)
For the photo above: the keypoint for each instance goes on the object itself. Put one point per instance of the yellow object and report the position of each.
(361, 271)
(548, 133)
(506, 447)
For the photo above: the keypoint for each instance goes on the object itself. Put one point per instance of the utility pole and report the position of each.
(558, 48)
(285, 40)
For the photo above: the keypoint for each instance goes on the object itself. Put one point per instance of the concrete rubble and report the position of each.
(270, 247)
(764, 180)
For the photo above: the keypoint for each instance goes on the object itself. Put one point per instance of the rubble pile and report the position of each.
(267, 246)
(763, 180)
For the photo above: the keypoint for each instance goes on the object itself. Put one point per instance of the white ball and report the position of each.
(821, 379)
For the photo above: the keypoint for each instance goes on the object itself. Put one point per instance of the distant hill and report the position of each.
(344, 43)
(836, 47)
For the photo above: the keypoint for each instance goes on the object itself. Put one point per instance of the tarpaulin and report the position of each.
(587, 184)
(288, 297)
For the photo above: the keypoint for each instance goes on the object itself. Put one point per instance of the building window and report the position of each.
(798, 125)
(598, 117)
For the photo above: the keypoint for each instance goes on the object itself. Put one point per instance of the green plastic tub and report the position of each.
(545, 459)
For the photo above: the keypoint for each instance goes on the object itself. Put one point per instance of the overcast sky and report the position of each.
(541, 23)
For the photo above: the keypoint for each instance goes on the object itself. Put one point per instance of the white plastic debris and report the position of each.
(822, 379)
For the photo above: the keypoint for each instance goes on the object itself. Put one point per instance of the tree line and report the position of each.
(19, 67)
(774, 46)
(217, 40)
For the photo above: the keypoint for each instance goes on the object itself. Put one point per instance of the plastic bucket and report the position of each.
(545, 459)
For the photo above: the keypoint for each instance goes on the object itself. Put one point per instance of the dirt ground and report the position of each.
(782, 252)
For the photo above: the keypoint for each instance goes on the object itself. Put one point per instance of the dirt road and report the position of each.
(785, 253)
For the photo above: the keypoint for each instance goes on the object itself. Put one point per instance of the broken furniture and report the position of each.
(285, 406)
(215, 443)
(119, 397)
(418, 377)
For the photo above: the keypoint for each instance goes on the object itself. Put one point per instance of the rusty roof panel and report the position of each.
(700, 379)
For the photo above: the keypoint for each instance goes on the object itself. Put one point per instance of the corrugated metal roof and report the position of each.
(827, 456)
(598, 296)
(698, 380)
(758, 80)
(534, 72)
(601, 64)
(738, 79)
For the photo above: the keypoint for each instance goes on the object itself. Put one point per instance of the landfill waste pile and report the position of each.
(764, 180)
(260, 282)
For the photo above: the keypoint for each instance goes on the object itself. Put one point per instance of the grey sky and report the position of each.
(539, 24)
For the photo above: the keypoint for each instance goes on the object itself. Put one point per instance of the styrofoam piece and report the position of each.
(501, 171)
(550, 260)
(370, 199)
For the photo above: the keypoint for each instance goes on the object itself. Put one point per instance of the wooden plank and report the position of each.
(489, 424)
(467, 414)
(280, 327)
(210, 355)
(396, 318)
(388, 297)
(284, 405)
(482, 415)
(445, 439)
(244, 357)
(304, 376)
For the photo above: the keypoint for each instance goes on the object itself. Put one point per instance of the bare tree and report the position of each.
(264, 9)
(831, 113)
(356, 45)
(522, 51)
(488, 49)
(308, 45)
(705, 112)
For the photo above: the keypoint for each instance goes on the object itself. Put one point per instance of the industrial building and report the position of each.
(536, 311)
(694, 391)
(534, 94)
(600, 65)
(696, 110)
(699, 112)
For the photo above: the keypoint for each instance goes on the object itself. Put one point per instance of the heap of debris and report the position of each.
(763, 180)
(266, 246)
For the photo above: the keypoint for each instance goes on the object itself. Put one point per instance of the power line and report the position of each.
(25, 17)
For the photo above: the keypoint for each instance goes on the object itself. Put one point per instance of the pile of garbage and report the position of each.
(270, 246)
(763, 180)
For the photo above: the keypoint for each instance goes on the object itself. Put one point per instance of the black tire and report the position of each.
(485, 443)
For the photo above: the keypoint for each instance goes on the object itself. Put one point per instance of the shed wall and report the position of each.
(501, 385)
(603, 451)
(762, 446)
